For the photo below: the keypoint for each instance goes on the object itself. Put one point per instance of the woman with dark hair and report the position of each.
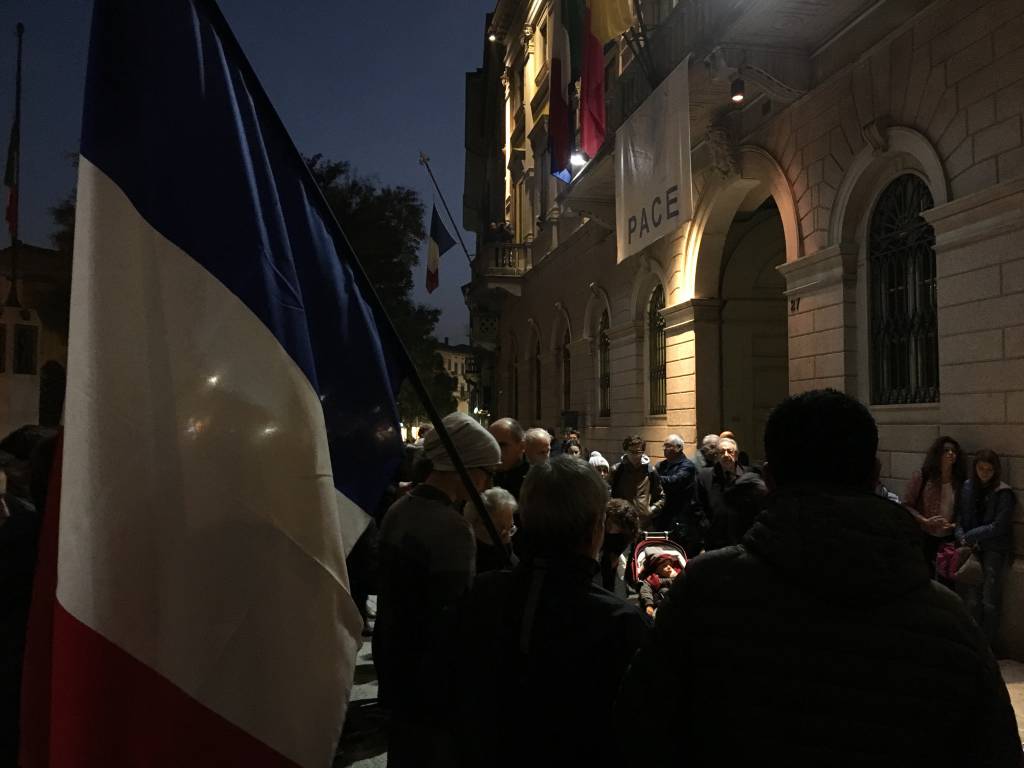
(984, 522)
(932, 493)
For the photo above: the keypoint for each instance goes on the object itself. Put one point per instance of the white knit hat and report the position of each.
(597, 460)
(476, 446)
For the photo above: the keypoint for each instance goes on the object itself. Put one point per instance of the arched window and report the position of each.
(901, 285)
(536, 381)
(566, 373)
(656, 352)
(604, 366)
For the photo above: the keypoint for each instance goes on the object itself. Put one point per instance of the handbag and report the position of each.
(969, 571)
(947, 561)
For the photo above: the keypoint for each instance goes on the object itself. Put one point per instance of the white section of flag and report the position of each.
(200, 528)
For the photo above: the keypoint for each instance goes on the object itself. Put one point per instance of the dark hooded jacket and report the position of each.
(541, 652)
(826, 643)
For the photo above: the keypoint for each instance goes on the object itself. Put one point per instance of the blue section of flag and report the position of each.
(174, 116)
(439, 234)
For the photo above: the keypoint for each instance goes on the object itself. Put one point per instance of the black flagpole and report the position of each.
(425, 162)
(345, 248)
(12, 295)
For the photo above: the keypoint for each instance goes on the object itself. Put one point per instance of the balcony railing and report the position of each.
(505, 259)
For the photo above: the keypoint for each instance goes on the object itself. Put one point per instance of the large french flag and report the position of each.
(230, 417)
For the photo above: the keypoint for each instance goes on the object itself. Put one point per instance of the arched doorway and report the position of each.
(744, 228)
(754, 327)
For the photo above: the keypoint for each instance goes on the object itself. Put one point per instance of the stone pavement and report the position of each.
(364, 743)
(1013, 675)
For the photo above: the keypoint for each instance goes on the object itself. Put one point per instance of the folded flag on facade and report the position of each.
(559, 130)
(440, 242)
(592, 111)
(230, 418)
(610, 18)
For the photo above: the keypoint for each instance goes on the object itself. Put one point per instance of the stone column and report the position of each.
(980, 290)
(821, 290)
(694, 367)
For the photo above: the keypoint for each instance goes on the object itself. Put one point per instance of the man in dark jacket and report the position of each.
(635, 479)
(676, 475)
(830, 646)
(511, 439)
(542, 649)
(427, 557)
(727, 497)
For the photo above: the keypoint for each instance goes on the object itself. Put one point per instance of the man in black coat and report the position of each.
(727, 497)
(821, 641)
(541, 649)
(676, 474)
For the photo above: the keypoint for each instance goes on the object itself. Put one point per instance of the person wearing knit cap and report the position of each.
(600, 463)
(427, 561)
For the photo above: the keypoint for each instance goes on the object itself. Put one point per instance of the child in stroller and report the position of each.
(657, 565)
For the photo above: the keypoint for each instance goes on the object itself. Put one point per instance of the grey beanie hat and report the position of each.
(476, 446)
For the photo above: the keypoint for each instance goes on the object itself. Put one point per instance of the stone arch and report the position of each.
(907, 151)
(559, 325)
(649, 274)
(597, 303)
(760, 177)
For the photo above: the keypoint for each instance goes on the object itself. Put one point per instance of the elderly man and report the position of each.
(707, 453)
(542, 649)
(673, 513)
(728, 496)
(832, 647)
(427, 556)
(514, 466)
(634, 479)
(538, 446)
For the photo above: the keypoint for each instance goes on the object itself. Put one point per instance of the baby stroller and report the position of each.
(653, 543)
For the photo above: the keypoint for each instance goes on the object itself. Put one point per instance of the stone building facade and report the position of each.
(871, 135)
(459, 362)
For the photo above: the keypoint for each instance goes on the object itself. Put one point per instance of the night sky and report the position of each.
(371, 83)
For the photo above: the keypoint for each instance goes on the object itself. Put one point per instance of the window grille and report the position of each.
(656, 352)
(904, 354)
(536, 382)
(26, 342)
(604, 350)
(513, 380)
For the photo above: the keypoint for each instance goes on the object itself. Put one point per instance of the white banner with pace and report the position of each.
(652, 166)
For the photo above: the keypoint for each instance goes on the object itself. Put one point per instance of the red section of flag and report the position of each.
(85, 702)
(109, 709)
(431, 280)
(592, 112)
(36, 679)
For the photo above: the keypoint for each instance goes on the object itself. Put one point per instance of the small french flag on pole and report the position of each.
(440, 242)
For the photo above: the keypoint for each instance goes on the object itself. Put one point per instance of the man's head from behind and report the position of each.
(562, 507)
(821, 437)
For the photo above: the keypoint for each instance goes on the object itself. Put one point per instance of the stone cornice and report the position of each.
(626, 331)
(983, 215)
(829, 266)
(682, 317)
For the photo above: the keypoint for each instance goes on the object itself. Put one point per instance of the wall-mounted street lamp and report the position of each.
(738, 90)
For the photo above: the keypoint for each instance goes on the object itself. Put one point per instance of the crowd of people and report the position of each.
(794, 611)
